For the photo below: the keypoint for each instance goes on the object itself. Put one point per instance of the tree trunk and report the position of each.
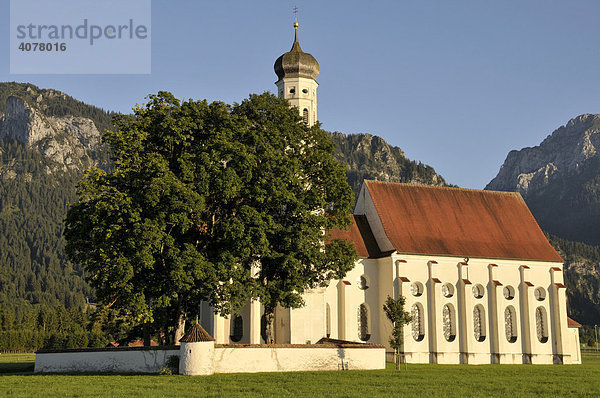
(269, 332)
(397, 359)
(179, 329)
(146, 335)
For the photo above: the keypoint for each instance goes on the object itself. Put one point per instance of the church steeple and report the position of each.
(297, 72)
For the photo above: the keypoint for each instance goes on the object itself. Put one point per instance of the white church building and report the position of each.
(482, 282)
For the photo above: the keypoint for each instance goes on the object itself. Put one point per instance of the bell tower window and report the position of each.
(305, 115)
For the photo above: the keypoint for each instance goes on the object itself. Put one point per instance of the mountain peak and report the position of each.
(560, 176)
(70, 142)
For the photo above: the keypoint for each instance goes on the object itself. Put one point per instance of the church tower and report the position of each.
(297, 72)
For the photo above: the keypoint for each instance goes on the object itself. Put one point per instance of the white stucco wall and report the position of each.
(573, 348)
(125, 360)
(299, 98)
(290, 359)
(205, 359)
(394, 275)
(197, 358)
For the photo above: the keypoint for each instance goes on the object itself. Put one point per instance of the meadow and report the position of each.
(17, 380)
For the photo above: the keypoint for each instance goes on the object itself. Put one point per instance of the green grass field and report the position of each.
(17, 380)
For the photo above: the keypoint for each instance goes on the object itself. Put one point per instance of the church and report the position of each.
(480, 279)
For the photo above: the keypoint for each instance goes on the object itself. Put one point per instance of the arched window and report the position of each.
(418, 324)
(541, 325)
(263, 329)
(479, 322)
(237, 328)
(449, 322)
(510, 324)
(327, 320)
(363, 322)
(305, 115)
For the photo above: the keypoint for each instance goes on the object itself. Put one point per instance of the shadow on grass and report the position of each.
(16, 368)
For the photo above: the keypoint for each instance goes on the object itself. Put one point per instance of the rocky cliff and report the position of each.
(69, 141)
(367, 156)
(560, 179)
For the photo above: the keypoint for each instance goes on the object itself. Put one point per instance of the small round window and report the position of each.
(540, 294)
(292, 91)
(478, 291)
(447, 290)
(305, 91)
(363, 282)
(416, 289)
(509, 292)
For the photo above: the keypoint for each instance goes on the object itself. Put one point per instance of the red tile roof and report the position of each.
(422, 219)
(360, 234)
(140, 343)
(573, 324)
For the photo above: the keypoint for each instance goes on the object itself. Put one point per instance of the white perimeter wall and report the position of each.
(226, 360)
(267, 359)
(111, 360)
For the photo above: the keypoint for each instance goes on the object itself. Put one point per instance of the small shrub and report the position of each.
(171, 366)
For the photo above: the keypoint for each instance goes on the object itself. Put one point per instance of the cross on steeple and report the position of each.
(295, 17)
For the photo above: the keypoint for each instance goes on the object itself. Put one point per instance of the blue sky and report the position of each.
(456, 85)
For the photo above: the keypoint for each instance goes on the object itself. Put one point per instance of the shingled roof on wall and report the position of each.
(196, 334)
(360, 234)
(573, 323)
(423, 219)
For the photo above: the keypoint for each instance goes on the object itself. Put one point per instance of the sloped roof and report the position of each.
(573, 323)
(360, 234)
(196, 334)
(421, 219)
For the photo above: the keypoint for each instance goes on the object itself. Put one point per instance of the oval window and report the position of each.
(540, 294)
(362, 282)
(478, 291)
(416, 289)
(447, 290)
(509, 292)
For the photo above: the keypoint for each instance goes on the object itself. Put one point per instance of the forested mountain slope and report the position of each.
(47, 140)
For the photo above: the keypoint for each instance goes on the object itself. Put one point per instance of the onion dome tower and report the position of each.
(297, 72)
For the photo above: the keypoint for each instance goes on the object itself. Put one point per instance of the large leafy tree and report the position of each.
(211, 202)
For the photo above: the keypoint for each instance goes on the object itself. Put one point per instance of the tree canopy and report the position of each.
(211, 202)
